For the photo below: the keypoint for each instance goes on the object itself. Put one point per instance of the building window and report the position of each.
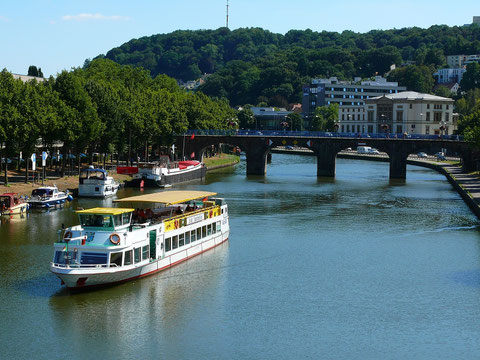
(428, 116)
(370, 128)
(399, 129)
(428, 106)
(437, 116)
(447, 116)
(370, 116)
(411, 106)
(427, 129)
(343, 117)
(399, 115)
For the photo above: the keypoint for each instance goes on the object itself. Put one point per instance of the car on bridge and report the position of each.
(422, 154)
(373, 151)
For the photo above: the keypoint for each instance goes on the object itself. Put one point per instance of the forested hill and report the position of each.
(253, 64)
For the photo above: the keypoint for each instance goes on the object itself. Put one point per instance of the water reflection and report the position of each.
(162, 300)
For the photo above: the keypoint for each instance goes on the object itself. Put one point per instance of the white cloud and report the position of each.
(97, 16)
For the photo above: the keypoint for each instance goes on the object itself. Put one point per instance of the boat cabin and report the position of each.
(44, 191)
(105, 219)
(93, 174)
(8, 200)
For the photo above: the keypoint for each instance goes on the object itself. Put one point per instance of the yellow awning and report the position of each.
(168, 197)
(105, 211)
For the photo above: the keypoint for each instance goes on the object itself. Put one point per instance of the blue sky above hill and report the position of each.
(59, 34)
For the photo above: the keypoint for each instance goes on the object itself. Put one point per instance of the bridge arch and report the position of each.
(325, 149)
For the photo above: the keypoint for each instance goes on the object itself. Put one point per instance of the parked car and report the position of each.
(440, 153)
(422, 155)
(289, 147)
(441, 157)
(373, 151)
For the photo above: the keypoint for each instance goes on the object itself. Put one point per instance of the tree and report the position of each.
(296, 121)
(415, 78)
(471, 78)
(246, 118)
(443, 91)
(325, 117)
(471, 131)
(33, 71)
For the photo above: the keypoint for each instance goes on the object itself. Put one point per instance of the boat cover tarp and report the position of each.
(169, 197)
(127, 170)
(105, 211)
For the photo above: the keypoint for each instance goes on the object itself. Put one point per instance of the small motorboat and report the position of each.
(12, 204)
(47, 197)
(96, 183)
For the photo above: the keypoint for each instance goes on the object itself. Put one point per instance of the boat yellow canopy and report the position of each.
(169, 197)
(105, 211)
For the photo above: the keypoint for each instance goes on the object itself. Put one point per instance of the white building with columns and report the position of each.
(410, 112)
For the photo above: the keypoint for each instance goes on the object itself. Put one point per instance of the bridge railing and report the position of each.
(322, 134)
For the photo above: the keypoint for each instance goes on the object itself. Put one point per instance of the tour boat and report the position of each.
(113, 245)
(96, 183)
(165, 173)
(48, 196)
(12, 204)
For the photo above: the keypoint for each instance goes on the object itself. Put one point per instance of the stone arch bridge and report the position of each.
(325, 148)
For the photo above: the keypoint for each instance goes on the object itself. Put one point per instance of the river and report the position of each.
(353, 268)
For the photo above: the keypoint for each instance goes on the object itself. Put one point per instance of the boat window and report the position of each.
(199, 233)
(5, 202)
(193, 233)
(168, 244)
(181, 240)
(138, 255)
(100, 221)
(93, 258)
(61, 257)
(175, 242)
(128, 257)
(126, 218)
(204, 231)
(187, 237)
(214, 228)
(145, 252)
(219, 226)
(117, 219)
(116, 259)
(209, 229)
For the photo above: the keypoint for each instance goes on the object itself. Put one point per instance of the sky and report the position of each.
(57, 35)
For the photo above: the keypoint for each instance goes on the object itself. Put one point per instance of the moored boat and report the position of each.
(96, 183)
(46, 197)
(166, 173)
(114, 245)
(12, 204)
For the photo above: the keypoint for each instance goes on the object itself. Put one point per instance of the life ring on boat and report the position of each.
(115, 239)
(176, 224)
(67, 236)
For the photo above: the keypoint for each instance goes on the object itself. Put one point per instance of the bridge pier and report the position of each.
(326, 161)
(256, 161)
(398, 165)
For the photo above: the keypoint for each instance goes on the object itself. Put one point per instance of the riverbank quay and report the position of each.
(221, 161)
(17, 183)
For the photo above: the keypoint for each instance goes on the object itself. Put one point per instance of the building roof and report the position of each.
(412, 96)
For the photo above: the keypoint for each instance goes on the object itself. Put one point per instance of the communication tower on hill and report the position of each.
(227, 13)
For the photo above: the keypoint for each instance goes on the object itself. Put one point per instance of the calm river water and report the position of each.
(355, 268)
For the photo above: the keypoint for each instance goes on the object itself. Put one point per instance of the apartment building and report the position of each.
(349, 95)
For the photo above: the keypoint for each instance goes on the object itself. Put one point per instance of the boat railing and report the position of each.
(76, 265)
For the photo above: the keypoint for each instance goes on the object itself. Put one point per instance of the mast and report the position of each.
(227, 13)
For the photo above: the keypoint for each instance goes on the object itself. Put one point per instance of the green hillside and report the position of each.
(251, 65)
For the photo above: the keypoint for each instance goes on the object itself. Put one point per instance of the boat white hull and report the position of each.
(75, 278)
(98, 191)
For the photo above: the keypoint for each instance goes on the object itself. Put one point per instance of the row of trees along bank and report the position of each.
(104, 107)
